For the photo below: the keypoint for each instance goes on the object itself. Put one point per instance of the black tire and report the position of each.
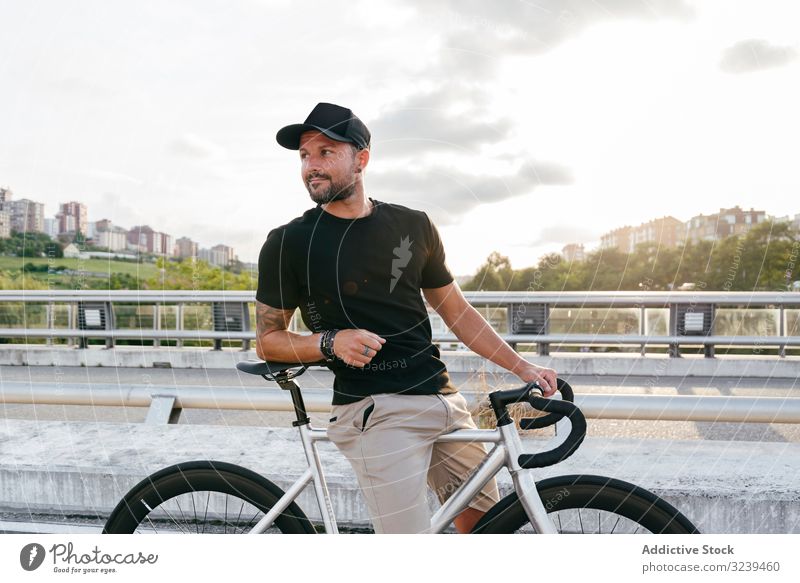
(589, 504)
(221, 498)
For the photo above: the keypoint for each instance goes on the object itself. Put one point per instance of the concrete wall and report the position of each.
(85, 468)
(621, 364)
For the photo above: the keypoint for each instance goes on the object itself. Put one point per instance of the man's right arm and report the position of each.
(275, 342)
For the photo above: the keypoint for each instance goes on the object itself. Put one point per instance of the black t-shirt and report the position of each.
(363, 273)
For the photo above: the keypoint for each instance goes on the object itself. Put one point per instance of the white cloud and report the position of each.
(193, 146)
(113, 177)
(752, 55)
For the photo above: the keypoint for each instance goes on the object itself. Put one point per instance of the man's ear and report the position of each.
(362, 159)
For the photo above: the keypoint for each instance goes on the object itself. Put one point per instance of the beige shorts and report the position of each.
(389, 440)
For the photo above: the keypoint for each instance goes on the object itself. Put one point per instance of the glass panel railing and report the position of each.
(168, 317)
(792, 322)
(656, 322)
(134, 316)
(594, 320)
(197, 316)
(746, 322)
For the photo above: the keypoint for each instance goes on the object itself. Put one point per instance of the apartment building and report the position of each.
(727, 222)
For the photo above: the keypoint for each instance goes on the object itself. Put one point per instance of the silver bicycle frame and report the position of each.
(506, 451)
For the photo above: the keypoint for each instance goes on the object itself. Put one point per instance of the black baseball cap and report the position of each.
(335, 121)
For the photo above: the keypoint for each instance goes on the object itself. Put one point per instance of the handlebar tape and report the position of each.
(568, 447)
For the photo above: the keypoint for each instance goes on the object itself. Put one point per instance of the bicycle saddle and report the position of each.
(265, 367)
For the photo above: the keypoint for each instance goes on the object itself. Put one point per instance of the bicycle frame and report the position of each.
(620, 499)
(506, 451)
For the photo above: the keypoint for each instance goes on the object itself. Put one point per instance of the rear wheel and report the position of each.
(589, 504)
(203, 497)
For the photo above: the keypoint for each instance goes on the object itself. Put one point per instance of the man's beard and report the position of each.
(334, 191)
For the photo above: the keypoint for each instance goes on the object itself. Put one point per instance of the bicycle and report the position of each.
(571, 503)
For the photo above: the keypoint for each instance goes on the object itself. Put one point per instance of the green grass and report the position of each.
(143, 270)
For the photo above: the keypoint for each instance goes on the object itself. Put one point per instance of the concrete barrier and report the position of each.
(85, 468)
(590, 364)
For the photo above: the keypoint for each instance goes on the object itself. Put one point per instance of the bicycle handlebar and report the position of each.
(557, 410)
(567, 394)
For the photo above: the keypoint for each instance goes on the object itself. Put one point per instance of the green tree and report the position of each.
(603, 270)
(495, 274)
(758, 260)
(196, 275)
(124, 281)
(29, 244)
(767, 248)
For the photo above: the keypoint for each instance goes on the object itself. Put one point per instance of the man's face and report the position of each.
(328, 167)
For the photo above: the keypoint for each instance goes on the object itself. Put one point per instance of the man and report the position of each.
(355, 267)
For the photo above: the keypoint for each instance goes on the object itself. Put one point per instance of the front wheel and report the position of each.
(589, 504)
(203, 497)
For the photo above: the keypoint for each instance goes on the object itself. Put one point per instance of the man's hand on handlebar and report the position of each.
(350, 345)
(546, 377)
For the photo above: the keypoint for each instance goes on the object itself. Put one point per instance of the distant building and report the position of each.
(66, 224)
(145, 240)
(663, 232)
(795, 221)
(219, 255)
(73, 218)
(573, 252)
(226, 252)
(23, 216)
(110, 236)
(115, 239)
(617, 239)
(5, 197)
(5, 224)
(72, 251)
(51, 227)
(167, 245)
(27, 216)
(185, 247)
(5, 212)
(204, 254)
(726, 222)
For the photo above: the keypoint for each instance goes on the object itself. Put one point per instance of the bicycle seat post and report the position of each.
(288, 384)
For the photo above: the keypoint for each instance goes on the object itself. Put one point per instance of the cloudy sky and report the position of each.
(519, 125)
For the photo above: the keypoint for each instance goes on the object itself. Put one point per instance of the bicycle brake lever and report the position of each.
(533, 386)
(567, 394)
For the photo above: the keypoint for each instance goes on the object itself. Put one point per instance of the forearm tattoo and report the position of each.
(269, 319)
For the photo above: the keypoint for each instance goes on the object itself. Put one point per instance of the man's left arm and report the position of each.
(474, 331)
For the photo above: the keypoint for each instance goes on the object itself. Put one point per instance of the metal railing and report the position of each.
(528, 317)
(166, 402)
